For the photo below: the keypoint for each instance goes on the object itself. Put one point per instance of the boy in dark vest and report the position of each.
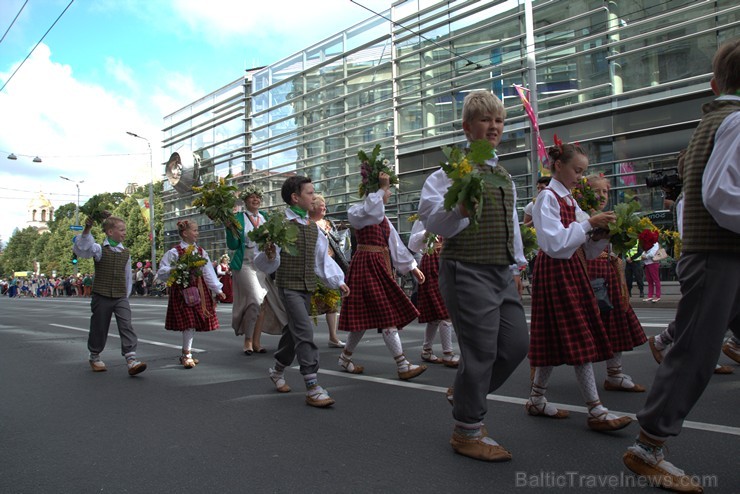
(709, 273)
(110, 292)
(296, 282)
(480, 285)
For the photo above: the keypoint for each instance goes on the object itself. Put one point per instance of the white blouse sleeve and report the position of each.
(209, 275)
(519, 259)
(721, 181)
(85, 247)
(403, 260)
(417, 240)
(370, 211)
(432, 207)
(165, 265)
(554, 239)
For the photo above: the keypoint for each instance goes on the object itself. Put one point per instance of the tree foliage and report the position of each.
(53, 249)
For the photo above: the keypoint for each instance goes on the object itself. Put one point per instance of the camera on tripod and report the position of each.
(668, 180)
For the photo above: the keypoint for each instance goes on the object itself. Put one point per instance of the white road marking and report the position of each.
(721, 429)
(156, 343)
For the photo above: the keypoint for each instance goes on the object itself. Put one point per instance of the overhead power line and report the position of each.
(14, 19)
(37, 44)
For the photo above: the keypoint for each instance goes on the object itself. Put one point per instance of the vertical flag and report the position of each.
(544, 162)
(144, 207)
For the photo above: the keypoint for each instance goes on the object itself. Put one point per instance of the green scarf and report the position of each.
(299, 211)
(113, 243)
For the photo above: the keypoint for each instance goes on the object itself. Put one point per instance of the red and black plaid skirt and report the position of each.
(181, 317)
(624, 329)
(429, 301)
(375, 300)
(566, 326)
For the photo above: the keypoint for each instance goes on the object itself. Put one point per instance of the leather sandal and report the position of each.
(623, 378)
(538, 409)
(600, 423)
(428, 356)
(187, 361)
(348, 366)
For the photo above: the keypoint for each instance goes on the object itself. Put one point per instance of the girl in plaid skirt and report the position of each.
(375, 299)
(432, 309)
(566, 327)
(622, 326)
(180, 316)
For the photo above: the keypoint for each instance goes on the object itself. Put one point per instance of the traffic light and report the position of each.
(74, 258)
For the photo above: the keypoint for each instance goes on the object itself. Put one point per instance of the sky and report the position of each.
(108, 67)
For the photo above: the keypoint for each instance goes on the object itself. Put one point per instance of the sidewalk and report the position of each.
(670, 295)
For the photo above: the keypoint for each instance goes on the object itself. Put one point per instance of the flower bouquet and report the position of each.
(217, 201)
(370, 167)
(529, 241)
(324, 300)
(585, 197)
(468, 179)
(97, 209)
(277, 230)
(187, 268)
(623, 232)
(672, 241)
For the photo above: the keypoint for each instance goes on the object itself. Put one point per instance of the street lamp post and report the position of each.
(77, 206)
(77, 209)
(151, 200)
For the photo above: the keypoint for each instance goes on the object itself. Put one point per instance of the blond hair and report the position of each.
(481, 102)
(111, 222)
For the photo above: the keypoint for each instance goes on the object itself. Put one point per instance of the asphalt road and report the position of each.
(221, 427)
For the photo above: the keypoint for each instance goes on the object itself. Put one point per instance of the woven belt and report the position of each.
(380, 249)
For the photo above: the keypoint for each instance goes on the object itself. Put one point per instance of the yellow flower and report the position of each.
(465, 167)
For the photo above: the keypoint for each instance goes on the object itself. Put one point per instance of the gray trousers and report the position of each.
(102, 310)
(710, 303)
(297, 337)
(491, 328)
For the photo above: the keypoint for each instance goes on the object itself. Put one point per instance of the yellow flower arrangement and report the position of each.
(468, 178)
(187, 268)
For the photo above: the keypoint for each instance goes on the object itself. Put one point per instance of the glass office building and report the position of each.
(626, 79)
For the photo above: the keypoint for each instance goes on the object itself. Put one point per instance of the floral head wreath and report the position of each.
(250, 190)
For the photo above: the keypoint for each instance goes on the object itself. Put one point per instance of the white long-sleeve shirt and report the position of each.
(417, 239)
(449, 223)
(647, 256)
(86, 248)
(554, 239)
(371, 211)
(325, 267)
(169, 260)
(721, 182)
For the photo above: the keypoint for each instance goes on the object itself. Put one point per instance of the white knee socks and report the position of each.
(187, 340)
(587, 384)
(429, 333)
(353, 339)
(445, 335)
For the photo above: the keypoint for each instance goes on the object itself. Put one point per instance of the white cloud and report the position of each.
(72, 126)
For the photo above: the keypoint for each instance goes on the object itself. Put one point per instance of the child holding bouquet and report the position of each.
(566, 327)
(298, 266)
(624, 329)
(187, 268)
(376, 301)
(110, 292)
(478, 275)
(432, 310)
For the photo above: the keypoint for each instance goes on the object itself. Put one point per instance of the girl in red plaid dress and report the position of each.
(181, 317)
(624, 329)
(432, 309)
(375, 300)
(566, 327)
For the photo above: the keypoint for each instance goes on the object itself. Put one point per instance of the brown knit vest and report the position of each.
(701, 233)
(297, 272)
(110, 273)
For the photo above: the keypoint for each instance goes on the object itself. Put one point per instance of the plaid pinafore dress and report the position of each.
(624, 329)
(566, 326)
(430, 303)
(181, 317)
(375, 300)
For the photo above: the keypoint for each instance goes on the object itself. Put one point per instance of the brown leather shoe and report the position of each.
(660, 474)
(98, 366)
(657, 355)
(538, 410)
(732, 350)
(616, 424)
(637, 388)
(411, 373)
(723, 369)
(476, 448)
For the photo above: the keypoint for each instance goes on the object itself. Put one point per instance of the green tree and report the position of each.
(18, 255)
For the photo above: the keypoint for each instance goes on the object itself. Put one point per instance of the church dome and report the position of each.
(40, 202)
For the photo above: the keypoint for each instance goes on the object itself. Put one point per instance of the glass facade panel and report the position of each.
(626, 79)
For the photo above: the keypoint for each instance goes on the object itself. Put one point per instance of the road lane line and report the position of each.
(156, 343)
(721, 429)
